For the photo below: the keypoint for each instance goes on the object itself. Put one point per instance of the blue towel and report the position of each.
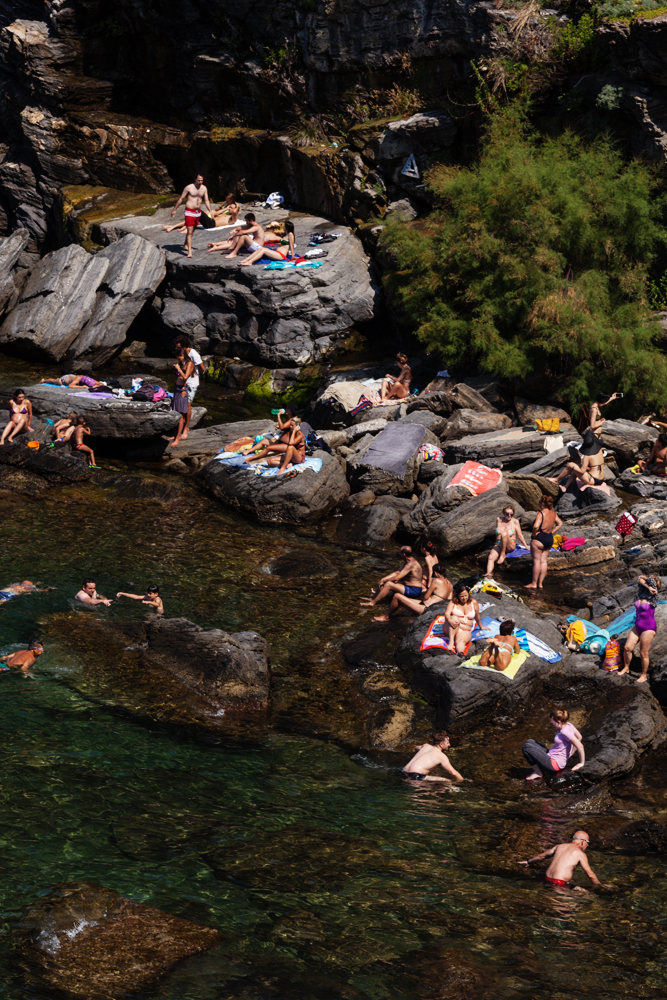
(528, 642)
(518, 551)
(314, 464)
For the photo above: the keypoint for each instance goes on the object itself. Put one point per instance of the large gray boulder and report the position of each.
(107, 418)
(467, 698)
(468, 526)
(368, 528)
(465, 422)
(76, 305)
(514, 447)
(653, 487)
(10, 251)
(527, 412)
(628, 440)
(590, 501)
(302, 499)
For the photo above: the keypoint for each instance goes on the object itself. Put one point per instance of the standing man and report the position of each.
(89, 595)
(193, 195)
(183, 343)
(564, 859)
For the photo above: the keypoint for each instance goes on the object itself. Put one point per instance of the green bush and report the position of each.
(534, 265)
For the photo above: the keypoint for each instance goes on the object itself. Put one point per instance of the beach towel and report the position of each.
(517, 660)
(95, 395)
(477, 478)
(572, 543)
(393, 448)
(281, 265)
(533, 645)
(589, 627)
(314, 464)
(518, 551)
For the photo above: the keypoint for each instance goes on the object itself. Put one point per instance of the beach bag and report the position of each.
(550, 425)
(625, 524)
(576, 633)
(274, 200)
(144, 395)
(612, 655)
(310, 254)
(431, 453)
(159, 393)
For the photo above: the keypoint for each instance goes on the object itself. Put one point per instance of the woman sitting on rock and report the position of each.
(543, 540)
(275, 445)
(591, 470)
(462, 613)
(440, 589)
(287, 251)
(20, 416)
(644, 629)
(397, 388)
(508, 530)
(295, 453)
(430, 560)
(501, 648)
(548, 763)
(595, 418)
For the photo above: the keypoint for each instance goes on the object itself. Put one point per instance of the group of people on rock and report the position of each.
(72, 426)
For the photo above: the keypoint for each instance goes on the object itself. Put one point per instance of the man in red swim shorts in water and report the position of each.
(566, 857)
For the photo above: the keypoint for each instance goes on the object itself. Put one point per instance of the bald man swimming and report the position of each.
(565, 858)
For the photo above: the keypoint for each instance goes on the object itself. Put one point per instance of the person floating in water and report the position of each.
(24, 659)
(88, 594)
(407, 580)
(16, 589)
(565, 858)
(151, 597)
(429, 757)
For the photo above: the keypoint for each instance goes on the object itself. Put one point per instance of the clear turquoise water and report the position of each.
(326, 875)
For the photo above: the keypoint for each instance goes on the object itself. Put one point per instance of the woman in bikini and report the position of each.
(295, 453)
(431, 560)
(508, 529)
(543, 540)
(397, 388)
(267, 447)
(20, 416)
(287, 252)
(501, 648)
(461, 613)
(591, 470)
(595, 418)
(440, 589)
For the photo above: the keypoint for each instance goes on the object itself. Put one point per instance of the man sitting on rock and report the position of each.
(407, 580)
(249, 237)
(429, 757)
(656, 463)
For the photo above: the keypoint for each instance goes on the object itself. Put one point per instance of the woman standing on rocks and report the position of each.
(462, 613)
(550, 762)
(644, 629)
(542, 541)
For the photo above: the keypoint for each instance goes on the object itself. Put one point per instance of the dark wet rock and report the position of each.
(301, 499)
(624, 718)
(436, 402)
(368, 528)
(428, 471)
(450, 974)
(528, 490)
(57, 466)
(107, 418)
(86, 941)
(652, 487)
(297, 856)
(437, 499)
(528, 413)
(628, 440)
(301, 565)
(465, 422)
(17, 480)
(139, 488)
(645, 836)
(576, 502)
(433, 422)
(469, 525)
(10, 252)
(75, 305)
(168, 669)
(402, 504)
(363, 499)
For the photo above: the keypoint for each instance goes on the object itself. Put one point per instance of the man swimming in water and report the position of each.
(16, 589)
(24, 659)
(429, 757)
(566, 857)
(407, 580)
(88, 594)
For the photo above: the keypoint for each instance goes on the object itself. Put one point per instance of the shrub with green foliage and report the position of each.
(534, 265)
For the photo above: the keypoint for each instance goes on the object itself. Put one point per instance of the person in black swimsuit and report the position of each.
(542, 541)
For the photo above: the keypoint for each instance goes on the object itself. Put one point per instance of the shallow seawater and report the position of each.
(328, 875)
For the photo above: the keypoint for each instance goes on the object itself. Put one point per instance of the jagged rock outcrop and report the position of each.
(77, 306)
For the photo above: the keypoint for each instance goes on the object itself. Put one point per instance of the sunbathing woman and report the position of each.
(591, 470)
(397, 388)
(287, 253)
(225, 214)
(20, 416)
(656, 463)
(462, 612)
(295, 454)
(501, 648)
(508, 529)
(440, 589)
(72, 381)
(267, 445)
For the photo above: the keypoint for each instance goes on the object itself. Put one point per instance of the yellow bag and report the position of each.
(552, 424)
(576, 632)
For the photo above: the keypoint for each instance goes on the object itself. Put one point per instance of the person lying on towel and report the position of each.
(502, 647)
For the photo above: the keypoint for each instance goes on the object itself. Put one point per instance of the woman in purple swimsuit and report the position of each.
(20, 416)
(644, 629)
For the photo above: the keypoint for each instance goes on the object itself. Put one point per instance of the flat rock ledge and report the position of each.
(623, 718)
(88, 942)
(301, 499)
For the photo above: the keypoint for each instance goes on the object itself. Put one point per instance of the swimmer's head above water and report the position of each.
(580, 838)
(441, 740)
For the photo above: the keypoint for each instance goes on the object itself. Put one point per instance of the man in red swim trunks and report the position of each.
(193, 195)
(566, 857)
